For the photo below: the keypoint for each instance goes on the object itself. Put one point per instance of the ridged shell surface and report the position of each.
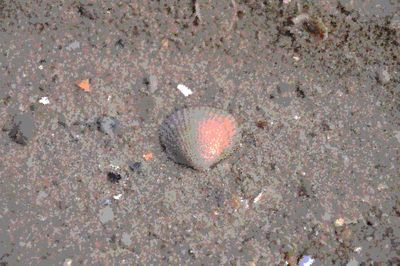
(199, 137)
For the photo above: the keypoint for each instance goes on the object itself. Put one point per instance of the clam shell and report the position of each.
(199, 137)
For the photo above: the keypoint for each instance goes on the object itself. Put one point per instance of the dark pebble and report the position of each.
(107, 125)
(22, 129)
(135, 166)
(62, 121)
(300, 93)
(119, 44)
(114, 177)
(262, 124)
(151, 82)
(305, 189)
(33, 107)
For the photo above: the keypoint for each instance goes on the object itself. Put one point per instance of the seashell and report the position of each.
(199, 137)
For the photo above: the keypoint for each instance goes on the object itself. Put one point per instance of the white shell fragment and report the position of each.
(306, 261)
(117, 197)
(44, 101)
(185, 90)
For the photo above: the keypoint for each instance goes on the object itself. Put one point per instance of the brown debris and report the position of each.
(312, 25)
(148, 156)
(262, 124)
(84, 85)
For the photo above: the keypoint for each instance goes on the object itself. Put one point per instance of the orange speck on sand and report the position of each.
(83, 84)
(148, 156)
(215, 135)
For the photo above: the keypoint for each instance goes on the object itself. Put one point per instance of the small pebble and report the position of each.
(119, 44)
(106, 214)
(135, 166)
(73, 46)
(126, 239)
(105, 202)
(67, 262)
(107, 125)
(62, 120)
(306, 261)
(152, 83)
(339, 222)
(383, 76)
(114, 177)
(22, 129)
(305, 188)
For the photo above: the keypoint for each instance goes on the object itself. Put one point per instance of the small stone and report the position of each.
(73, 46)
(106, 202)
(382, 186)
(305, 188)
(22, 129)
(339, 222)
(383, 76)
(119, 44)
(152, 83)
(262, 124)
(135, 166)
(108, 125)
(62, 120)
(67, 262)
(114, 177)
(106, 215)
(33, 107)
(306, 261)
(126, 239)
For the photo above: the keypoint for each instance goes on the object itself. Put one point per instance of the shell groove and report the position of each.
(199, 137)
